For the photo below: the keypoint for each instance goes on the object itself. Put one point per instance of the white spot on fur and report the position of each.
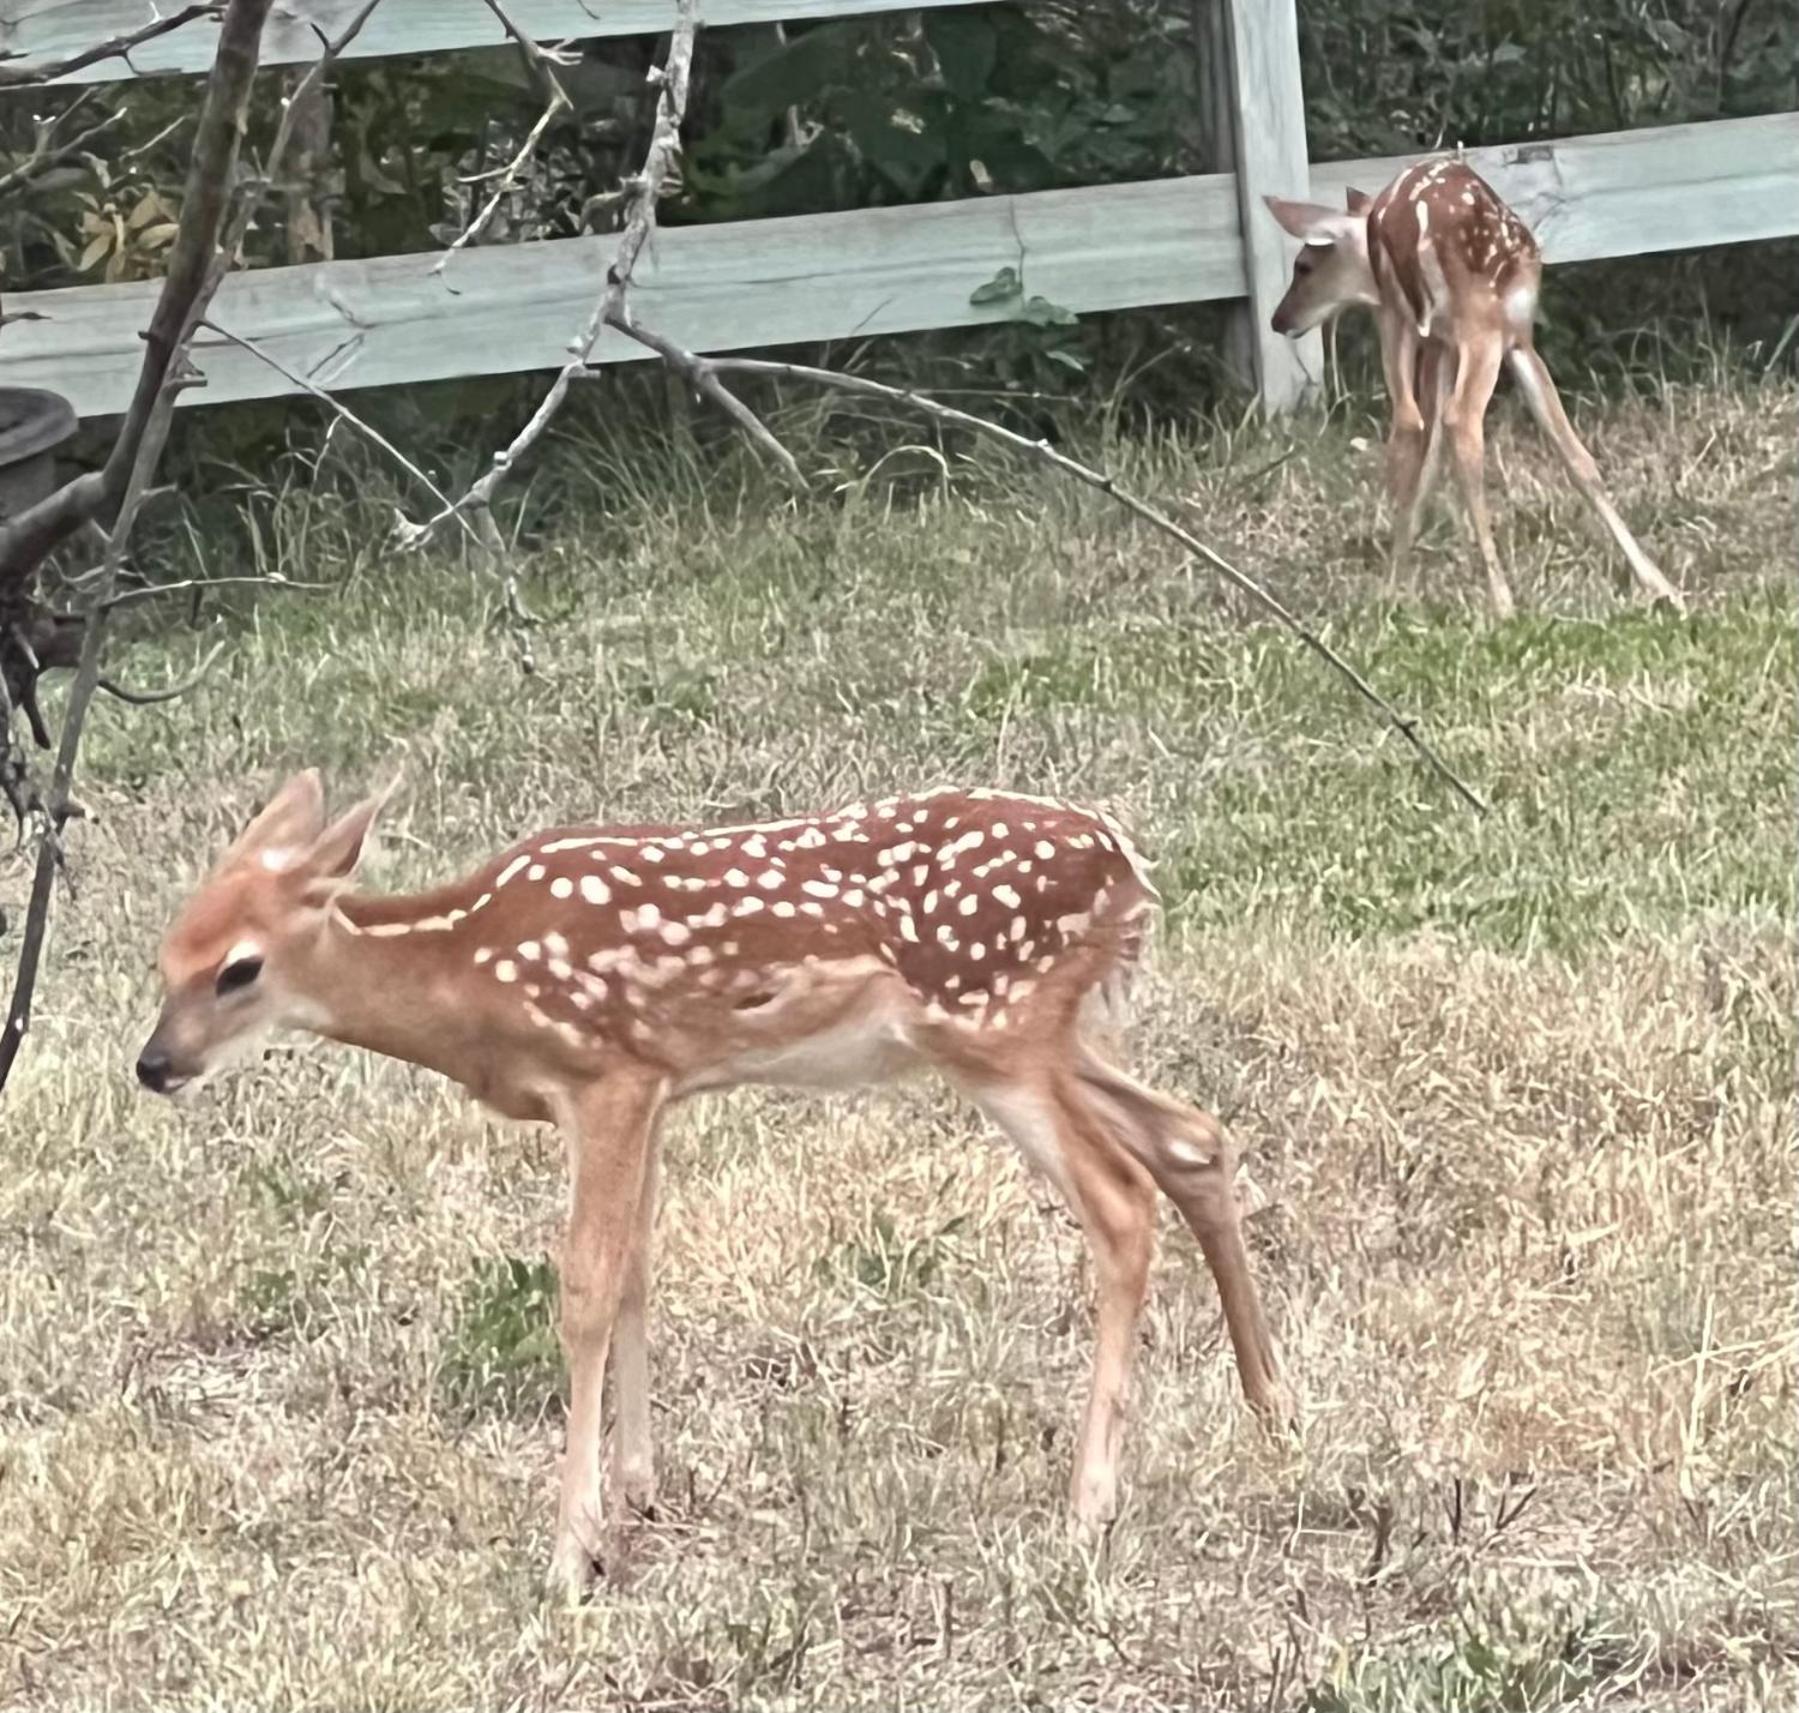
(505, 970)
(594, 890)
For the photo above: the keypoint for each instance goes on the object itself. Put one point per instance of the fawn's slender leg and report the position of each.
(1054, 1129)
(609, 1127)
(1532, 376)
(1405, 432)
(633, 1452)
(1194, 1163)
(1477, 368)
(1434, 374)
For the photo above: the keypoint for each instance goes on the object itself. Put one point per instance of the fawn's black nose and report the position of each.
(153, 1070)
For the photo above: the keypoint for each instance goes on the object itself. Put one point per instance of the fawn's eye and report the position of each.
(238, 975)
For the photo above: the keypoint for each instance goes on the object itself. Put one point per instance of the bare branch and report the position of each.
(640, 219)
(215, 213)
(702, 374)
(556, 103)
(346, 415)
(1405, 725)
(116, 47)
(201, 254)
(148, 698)
(47, 153)
(154, 591)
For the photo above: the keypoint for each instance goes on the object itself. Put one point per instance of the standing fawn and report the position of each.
(594, 975)
(1452, 276)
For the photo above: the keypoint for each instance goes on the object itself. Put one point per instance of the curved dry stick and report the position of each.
(556, 103)
(117, 47)
(642, 192)
(1406, 725)
(201, 256)
(345, 414)
(170, 693)
(703, 377)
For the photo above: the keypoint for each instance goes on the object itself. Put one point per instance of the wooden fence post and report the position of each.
(1269, 127)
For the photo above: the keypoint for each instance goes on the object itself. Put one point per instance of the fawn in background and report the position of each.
(1452, 275)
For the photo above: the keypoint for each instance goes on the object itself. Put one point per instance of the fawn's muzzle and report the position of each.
(154, 1070)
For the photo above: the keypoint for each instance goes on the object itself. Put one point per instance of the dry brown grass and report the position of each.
(276, 1427)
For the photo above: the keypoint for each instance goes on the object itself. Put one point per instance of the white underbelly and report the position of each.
(869, 1047)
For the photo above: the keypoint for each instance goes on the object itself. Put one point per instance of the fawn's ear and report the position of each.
(1359, 201)
(1303, 220)
(288, 823)
(330, 864)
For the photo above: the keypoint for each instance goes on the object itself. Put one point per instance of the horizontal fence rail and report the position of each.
(43, 31)
(504, 308)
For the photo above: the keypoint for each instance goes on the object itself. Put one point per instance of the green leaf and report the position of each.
(1004, 286)
(966, 47)
(793, 74)
(906, 156)
(1040, 312)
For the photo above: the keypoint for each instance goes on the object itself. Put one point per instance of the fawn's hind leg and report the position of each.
(1193, 1162)
(1055, 1128)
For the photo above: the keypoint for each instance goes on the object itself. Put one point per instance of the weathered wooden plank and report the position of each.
(504, 308)
(41, 30)
(836, 276)
(1630, 193)
(1269, 137)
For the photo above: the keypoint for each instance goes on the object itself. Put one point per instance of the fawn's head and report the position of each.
(231, 959)
(1332, 270)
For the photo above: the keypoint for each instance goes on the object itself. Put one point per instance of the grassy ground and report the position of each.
(276, 1391)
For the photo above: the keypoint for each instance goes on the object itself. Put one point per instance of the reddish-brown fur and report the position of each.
(592, 975)
(1452, 275)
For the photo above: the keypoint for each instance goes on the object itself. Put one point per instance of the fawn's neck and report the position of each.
(389, 974)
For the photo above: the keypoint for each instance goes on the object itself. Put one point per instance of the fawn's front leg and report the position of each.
(609, 1126)
(633, 1453)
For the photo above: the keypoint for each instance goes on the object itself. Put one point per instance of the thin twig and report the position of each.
(198, 261)
(116, 47)
(345, 414)
(219, 210)
(1405, 725)
(702, 375)
(149, 698)
(249, 203)
(43, 156)
(555, 103)
(640, 219)
(152, 591)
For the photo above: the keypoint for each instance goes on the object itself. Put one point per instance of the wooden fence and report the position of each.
(503, 308)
